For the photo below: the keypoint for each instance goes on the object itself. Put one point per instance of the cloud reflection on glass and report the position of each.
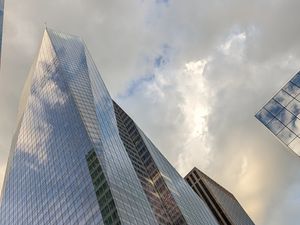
(281, 114)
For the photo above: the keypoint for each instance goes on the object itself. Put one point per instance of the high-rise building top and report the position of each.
(221, 202)
(281, 115)
(78, 158)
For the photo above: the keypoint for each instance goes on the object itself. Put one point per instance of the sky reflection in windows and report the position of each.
(281, 115)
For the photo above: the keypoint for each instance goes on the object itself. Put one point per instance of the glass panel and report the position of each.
(295, 146)
(285, 107)
(275, 126)
(283, 98)
(273, 107)
(296, 80)
(294, 107)
(286, 135)
(294, 125)
(298, 98)
(291, 89)
(48, 180)
(264, 116)
(285, 116)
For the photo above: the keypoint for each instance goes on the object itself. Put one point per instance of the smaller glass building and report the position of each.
(221, 202)
(281, 114)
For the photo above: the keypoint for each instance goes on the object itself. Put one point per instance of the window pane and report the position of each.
(264, 116)
(286, 136)
(296, 79)
(273, 107)
(294, 107)
(285, 116)
(283, 98)
(291, 89)
(294, 125)
(295, 146)
(275, 126)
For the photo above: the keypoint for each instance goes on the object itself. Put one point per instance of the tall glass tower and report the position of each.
(78, 158)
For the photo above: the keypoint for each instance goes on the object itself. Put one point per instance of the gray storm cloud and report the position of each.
(192, 74)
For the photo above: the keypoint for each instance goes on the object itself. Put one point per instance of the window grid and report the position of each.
(281, 115)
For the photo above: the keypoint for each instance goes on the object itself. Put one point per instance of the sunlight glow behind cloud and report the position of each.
(191, 75)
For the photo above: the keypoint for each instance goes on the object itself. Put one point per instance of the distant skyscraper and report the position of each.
(78, 158)
(221, 202)
(281, 115)
(1, 25)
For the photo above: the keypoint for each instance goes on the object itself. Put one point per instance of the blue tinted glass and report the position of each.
(286, 126)
(286, 136)
(186, 198)
(283, 98)
(285, 116)
(294, 107)
(52, 177)
(47, 181)
(273, 107)
(294, 126)
(97, 113)
(264, 116)
(275, 126)
(296, 80)
(291, 89)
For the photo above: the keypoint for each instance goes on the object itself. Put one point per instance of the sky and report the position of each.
(192, 74)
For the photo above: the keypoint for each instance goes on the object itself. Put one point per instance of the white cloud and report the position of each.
(185, 94)
(223, 61)
(234, 46)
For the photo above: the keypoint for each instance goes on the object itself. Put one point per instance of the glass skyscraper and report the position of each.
(281, 114)
(221, 202)
(78, 158)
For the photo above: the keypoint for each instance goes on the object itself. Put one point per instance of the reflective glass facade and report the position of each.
(281, 115)
(78, 158)
(222, 203)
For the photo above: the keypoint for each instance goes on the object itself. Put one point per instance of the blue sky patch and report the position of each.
(163, 58)
(162, 1)
(159, 61)
(136, 84)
